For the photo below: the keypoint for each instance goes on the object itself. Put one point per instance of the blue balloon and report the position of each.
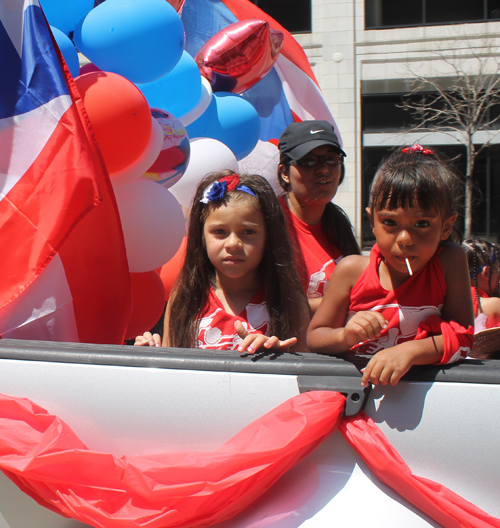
(64, 14)
(232, 120)
(140, 40)
(68, 51)
(179, 91)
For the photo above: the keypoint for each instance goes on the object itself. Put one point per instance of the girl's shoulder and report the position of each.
(491, 307)
(451, 255)
(354, 261)
(351, 268)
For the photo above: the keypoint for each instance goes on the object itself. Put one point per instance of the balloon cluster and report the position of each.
(162, 118)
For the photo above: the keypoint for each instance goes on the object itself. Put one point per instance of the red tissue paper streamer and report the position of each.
(44, 457)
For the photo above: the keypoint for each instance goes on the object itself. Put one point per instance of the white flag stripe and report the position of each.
(303, 96)
(45, 308)
(17, 155)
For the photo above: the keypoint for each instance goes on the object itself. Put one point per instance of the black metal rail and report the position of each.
(305, 364)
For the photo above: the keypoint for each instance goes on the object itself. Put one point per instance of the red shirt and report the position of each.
(216, 327)
(316, 255)
(404, 308)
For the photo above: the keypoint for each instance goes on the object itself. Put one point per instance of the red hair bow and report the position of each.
(417, 148)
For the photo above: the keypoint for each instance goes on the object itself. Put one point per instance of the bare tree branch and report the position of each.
(458, 100)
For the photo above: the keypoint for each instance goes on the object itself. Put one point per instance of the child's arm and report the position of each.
(314, 303)
(491, 308)
(328, 332)
(458, 305)
(388, 366)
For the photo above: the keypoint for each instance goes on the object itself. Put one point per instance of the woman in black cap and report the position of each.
(311, 169)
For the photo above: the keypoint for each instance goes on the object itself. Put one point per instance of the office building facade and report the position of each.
(361, 52)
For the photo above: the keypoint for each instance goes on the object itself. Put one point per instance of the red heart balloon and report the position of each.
(240, 55)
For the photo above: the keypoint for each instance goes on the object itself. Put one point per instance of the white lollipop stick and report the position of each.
(409, 267)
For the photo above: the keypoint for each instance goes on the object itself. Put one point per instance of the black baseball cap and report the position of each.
(298, 139)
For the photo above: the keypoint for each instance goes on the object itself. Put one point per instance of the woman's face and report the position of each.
(316, 185)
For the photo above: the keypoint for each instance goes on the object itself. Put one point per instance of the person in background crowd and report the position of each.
(310, 171)
(483, 258)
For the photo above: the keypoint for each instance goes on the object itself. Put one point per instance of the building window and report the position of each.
(390, 13)
(293, 15)
(381, 113)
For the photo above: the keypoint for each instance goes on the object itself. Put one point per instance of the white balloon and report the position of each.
(203, 104)
(263, 160)
(207, 155)
(145, 160)
(152, 222)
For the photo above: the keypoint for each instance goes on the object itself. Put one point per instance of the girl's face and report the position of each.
(317, 184)
(235, 238)
(410, 233)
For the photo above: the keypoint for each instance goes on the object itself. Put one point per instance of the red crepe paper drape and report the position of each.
(43, 456)
(438, 502)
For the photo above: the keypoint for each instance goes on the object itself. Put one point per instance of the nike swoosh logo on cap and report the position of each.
(315, 131)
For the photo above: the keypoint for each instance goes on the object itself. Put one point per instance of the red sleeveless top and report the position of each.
(404, 308)
(318, 256)
(216, 326)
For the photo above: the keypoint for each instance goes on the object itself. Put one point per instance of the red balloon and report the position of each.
(170, 271)
(240, 55)
(148, 302)
(119, 115)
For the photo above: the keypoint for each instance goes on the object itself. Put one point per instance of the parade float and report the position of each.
(172, 437)
(97, 165)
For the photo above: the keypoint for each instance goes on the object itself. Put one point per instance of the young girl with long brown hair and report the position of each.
(238, 288)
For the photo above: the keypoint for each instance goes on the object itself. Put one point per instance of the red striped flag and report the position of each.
(63, 270)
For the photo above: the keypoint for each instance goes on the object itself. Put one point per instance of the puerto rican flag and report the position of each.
(289, 92)
(63, 267)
